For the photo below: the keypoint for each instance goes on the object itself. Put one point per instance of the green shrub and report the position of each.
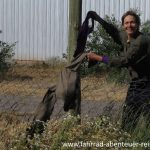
(118, 75)
(6, 53)
(145, 28)
(101, 43)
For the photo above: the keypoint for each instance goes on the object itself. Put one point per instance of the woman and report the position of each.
(135, 56)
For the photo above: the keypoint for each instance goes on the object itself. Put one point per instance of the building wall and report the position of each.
(40, 27)
(117, 7)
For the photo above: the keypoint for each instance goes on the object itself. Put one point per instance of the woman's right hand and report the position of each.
(93, 57)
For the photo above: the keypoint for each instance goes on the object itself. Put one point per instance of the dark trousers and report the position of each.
(137, 103)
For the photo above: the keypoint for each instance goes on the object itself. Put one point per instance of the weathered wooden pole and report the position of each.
(75, 15)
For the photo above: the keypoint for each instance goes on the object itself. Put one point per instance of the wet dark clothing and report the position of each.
(84, 31)
(67, 88)
(135, 56)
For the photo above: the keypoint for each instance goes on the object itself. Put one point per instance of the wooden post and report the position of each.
(75, 15)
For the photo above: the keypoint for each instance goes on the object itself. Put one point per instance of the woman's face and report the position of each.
(130, 25)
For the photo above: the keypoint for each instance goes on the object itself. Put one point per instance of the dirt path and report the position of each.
(25, 109)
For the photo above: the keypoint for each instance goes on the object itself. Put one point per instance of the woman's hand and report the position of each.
(93, 57)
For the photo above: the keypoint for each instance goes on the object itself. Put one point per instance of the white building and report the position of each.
(41, 26)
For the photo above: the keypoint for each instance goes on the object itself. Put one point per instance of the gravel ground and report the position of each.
(24, 109)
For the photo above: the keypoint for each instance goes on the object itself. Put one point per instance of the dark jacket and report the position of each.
(66, 89)
(135, 55)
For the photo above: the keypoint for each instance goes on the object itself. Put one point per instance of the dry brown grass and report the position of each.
(34, 80)
(10, 127)
(97, 88)
(27, 80)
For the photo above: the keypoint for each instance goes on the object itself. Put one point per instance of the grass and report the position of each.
(97, 133)
(26, 79)
(97, 88)
(57, 133)
(69, 134)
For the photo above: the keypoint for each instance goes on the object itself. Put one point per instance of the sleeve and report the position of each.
(111, 30)
(134, 55)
